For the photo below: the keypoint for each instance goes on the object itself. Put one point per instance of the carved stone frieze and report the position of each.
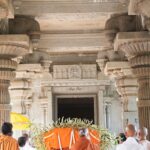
(74, 72)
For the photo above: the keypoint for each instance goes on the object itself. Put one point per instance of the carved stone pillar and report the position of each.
(126, 86)
(20, 90)
(44, 106)
(11, 46)
(28, 103)
(50, 104)
(101, 106)
(46, 77)
(137, 48)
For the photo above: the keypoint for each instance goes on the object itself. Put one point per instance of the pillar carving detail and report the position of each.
(126, 85)
(125, 82)
(20, 93)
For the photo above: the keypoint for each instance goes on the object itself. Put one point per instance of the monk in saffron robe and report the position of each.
(84, 143)
(7, 142)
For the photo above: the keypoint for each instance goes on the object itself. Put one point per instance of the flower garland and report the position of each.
(107, 140)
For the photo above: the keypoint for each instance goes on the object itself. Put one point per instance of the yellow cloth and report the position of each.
(8, 143)
(19, 121)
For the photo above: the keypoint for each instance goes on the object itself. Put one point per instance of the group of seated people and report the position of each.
(131, 140)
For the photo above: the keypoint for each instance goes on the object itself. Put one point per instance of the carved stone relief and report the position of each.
(74, 72)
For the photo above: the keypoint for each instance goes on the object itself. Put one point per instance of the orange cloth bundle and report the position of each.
(64, 138)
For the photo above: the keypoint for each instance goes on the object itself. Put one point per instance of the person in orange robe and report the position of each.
(83, 143)
(7, 142)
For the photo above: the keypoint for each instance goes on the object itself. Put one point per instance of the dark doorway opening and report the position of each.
(76, 108)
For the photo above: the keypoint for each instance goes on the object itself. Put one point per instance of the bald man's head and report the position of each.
(130, 130)
(142, 133)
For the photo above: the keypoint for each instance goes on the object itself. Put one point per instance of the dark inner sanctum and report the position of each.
(76, 108)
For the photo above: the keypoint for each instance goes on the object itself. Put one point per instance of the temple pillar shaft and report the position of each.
(10, 47)
(50, 105)
(5, 106)
(7, 68)
(137, 48)
(144, 102)
(101, 108)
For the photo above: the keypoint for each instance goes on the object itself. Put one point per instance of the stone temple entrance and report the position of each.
(78, 107)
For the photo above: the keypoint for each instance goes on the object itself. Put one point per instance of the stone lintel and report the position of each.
(41, 7)
(54, 43)
(78, 83)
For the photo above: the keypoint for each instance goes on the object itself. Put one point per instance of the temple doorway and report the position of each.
(76, 107)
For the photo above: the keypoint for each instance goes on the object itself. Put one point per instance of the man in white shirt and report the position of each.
(142, 134)
(131, 142)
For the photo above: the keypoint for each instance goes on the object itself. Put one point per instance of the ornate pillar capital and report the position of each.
(118, 69)
(133, 43)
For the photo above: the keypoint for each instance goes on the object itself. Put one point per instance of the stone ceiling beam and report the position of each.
(73, 43)
(38, 8)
